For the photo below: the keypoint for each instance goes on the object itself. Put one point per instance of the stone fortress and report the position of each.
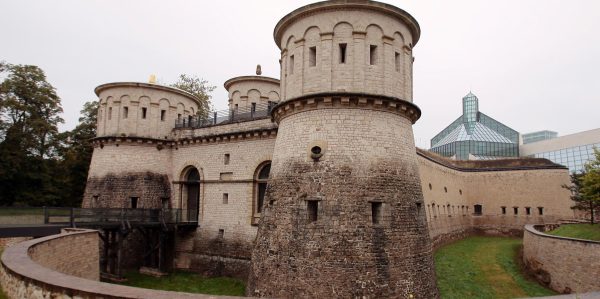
(311, 185)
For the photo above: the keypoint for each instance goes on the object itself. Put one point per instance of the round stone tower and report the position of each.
(247, 91)
(344, 214)
(135, 109)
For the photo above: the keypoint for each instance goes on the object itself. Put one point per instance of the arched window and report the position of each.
(261, 178)
(192, 193)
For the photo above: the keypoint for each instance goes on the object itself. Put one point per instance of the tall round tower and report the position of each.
(344, 214)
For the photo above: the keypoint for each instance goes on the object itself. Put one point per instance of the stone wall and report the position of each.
(566, 265)
(66, 266)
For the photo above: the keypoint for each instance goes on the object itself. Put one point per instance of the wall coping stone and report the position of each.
(534, 229)
(16, 260)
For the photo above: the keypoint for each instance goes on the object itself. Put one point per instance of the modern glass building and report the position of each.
(538, 136)
(572, 151)
(476, 136)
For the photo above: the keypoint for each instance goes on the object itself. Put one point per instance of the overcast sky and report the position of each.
(533, 64)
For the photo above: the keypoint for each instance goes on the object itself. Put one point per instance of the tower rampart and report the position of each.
(344, 214)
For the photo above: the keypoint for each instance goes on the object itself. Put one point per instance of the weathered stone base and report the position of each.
(116, 190)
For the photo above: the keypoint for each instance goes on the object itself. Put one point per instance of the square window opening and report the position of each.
(221, 233)
(478, 209)
(528, 210)
(312, 56)
(312, 207)
(541, 210)
(376, 212)
(516, 210)
(226, 159)
(503, 210)
(342, 53)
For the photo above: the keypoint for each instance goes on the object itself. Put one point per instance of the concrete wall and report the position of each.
(581, 138)
(564, 264)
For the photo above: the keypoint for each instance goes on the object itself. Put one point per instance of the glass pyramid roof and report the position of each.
(479, 132)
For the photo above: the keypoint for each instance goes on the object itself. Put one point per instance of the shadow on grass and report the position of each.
(187, 282)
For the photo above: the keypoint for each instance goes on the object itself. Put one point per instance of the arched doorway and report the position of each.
(261, 178)
(192, 193)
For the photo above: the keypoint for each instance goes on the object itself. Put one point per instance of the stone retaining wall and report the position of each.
(566, 265)
(38, 269)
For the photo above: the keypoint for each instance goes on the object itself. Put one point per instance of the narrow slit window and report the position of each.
(125, 112)
(342, 53)
(397, 61)
(541, 210)
(527, 210)
(163, 114)
(516, 210)
(376, 212)
(291, 66)
(226, 159)
(503, 210)
(312, 207)
(312, 56)
(109, 113)
(373, 55)
(144, 112)
(134, 202)
(221, 234)
(225, 198)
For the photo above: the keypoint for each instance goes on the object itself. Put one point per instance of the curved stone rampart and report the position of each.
(566, 265)
(66, 266)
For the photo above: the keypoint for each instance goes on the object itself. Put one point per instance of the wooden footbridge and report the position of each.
(155, 227)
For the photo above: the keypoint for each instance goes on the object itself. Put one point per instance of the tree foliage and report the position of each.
(585, 187)
(199, 88)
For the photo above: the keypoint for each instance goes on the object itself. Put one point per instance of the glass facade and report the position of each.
(476, 136)
(538, 136)
(573, 157)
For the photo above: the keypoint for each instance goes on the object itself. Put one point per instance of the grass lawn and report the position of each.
(484, 267)
(579, 231)
(188, 282)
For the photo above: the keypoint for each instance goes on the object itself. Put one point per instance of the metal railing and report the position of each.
(81, 216)
(255, 111)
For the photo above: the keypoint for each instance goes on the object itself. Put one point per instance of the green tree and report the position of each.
(29, 116)
(585, 187)
(199, 88)
(76, 154)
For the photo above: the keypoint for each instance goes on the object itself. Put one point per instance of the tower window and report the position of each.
(144, 112)
(221, 233)
(342, 53)
(527, 210)
(376, 212)
(445, 189)
(503, 210)
(373, 55)
(478, 209)
(163, 114)
(133, 202)
(291, 65)
(516, 210)
(312, 209)
(541, 210)
(397, 61)
(225, 198)
(226, 159)
(109, 113)
(125, 112)
(312, 56)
